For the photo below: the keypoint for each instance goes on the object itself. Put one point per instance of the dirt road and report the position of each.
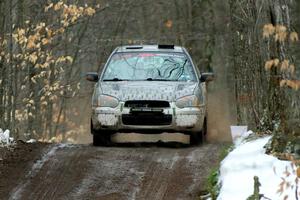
(87, 172)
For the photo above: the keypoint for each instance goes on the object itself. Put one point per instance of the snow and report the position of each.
(247, 160)
(241, 139)
(238, 132)
(40, 163)
(31, 141)
(5, 138)
(169, 163)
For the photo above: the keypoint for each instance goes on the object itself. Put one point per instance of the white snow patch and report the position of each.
(174, 160)
(169, 162)
(31, 141)
(40, 163)
(137, 189)
(241, 139)
(248, 160)
(193, 156)
(238, 132)
(5, 138)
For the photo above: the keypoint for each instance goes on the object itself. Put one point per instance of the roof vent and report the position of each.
(134, 47)
(166, 46)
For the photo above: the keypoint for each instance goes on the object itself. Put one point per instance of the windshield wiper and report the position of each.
(158, 79)
(115, 79)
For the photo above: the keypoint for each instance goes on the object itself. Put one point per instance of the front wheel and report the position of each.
(199, 137)
(100, 138)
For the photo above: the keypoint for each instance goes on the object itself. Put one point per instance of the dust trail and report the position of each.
(219, 117)
(221, 95)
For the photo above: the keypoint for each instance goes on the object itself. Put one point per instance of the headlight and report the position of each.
(188, 101)
(105, 101)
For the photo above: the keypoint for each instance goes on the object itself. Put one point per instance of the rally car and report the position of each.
(150, 88)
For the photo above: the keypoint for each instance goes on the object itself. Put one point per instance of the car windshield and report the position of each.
(139, 66)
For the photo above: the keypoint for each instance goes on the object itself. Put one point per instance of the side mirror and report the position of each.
(92, 76)
(207, 77)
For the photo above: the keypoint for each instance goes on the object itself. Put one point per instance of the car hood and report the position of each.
(148, 90)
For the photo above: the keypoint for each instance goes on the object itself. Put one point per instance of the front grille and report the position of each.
(147, 104)
(146, 113)
(146, 119)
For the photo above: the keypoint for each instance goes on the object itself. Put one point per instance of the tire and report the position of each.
(199, 137)
(204, 130)
(100, 138)
(196, 138)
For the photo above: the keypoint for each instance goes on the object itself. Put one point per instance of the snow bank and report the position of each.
(5, 139)
(248, 160)
(31, 141)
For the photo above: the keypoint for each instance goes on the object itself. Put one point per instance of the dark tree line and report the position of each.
(45, 96)
(265, 64)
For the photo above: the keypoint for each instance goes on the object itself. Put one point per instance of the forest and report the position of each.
(48, 46)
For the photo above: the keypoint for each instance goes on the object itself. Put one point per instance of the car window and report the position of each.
(150, 66)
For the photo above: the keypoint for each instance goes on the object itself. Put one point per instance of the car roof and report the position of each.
(158, 48)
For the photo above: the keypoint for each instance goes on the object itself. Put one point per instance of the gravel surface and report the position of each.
(85, 172)
(15, 162)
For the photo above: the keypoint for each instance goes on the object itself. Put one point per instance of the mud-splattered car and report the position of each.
(149, 88)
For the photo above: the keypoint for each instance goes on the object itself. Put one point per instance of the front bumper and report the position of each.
(176, 119)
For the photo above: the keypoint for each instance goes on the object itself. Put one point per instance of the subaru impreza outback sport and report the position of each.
(151, 88)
